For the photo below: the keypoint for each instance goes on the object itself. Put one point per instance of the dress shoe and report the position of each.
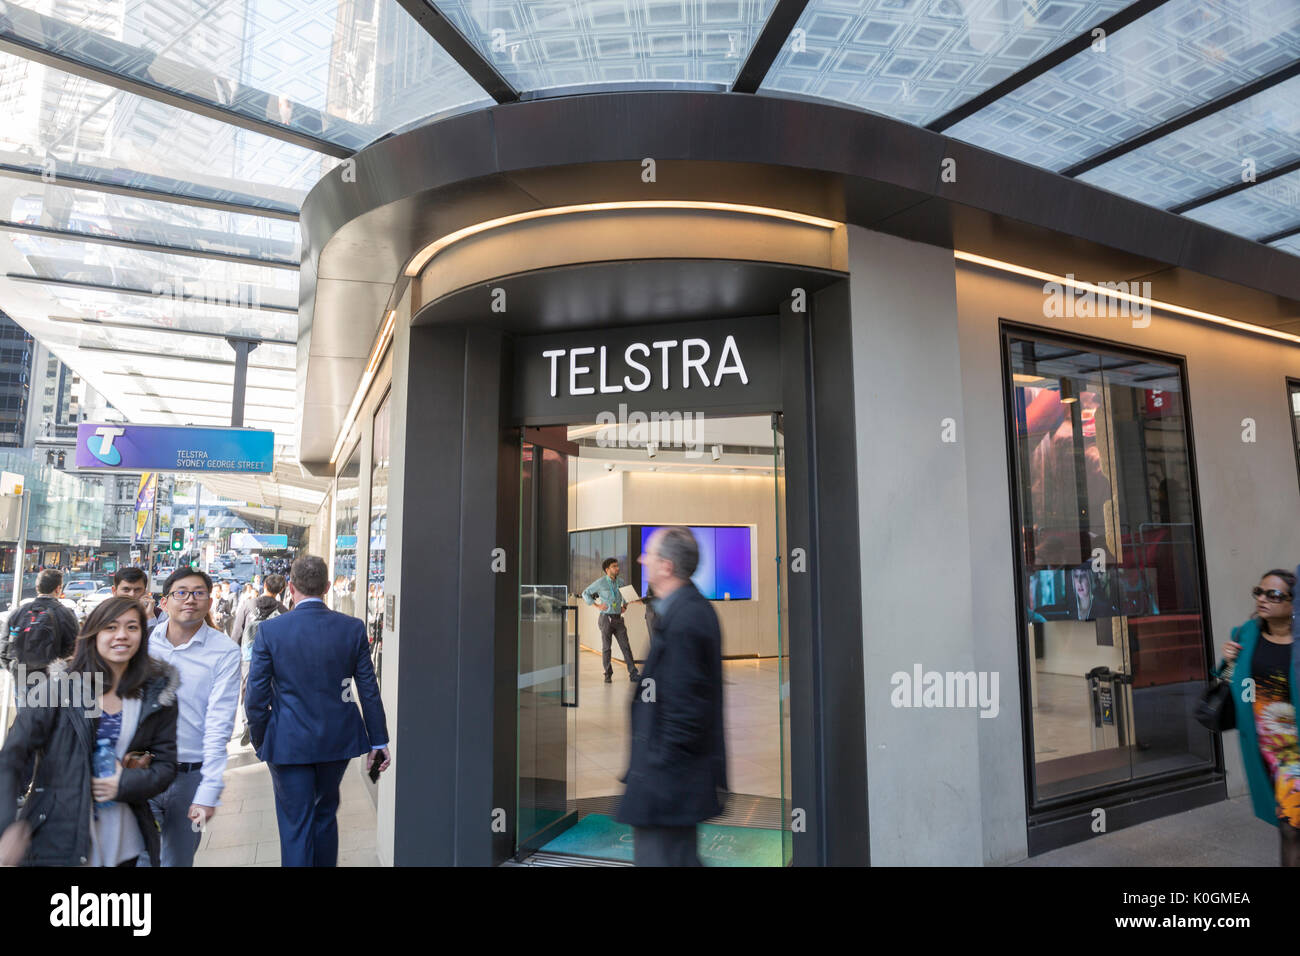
(634, 677)
(609, 678)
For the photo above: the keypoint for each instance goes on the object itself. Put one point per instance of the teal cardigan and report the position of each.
(1261, 788)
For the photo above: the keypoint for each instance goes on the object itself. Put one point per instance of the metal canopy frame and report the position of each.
(73, 181)
(128, 290)
(73, 235)
(448, 36)
(68, 64)
(763, 54)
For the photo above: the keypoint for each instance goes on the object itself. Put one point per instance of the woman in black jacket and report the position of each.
(112, 690)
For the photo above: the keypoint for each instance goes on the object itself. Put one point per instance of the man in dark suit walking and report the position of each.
(677, 776)
(303, 716)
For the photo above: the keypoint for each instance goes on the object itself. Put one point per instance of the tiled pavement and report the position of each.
(243, 831)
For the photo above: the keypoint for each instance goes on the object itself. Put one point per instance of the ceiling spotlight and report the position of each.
(650, 449)
(609, 466)
(717, 452)
(653, 468)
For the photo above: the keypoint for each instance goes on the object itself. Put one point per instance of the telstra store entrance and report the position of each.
(590, 492)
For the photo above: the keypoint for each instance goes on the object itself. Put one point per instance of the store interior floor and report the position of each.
(751, 715)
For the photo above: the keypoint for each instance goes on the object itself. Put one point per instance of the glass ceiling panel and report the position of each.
(205, 280)
(146, 220)
(1290, 244)
(1209, 154)
(56, 123)
(916, 61)
(546, 44)
(1259, 211)
(346, 71)
(1181, 55)
(168, 313)
(84, 335)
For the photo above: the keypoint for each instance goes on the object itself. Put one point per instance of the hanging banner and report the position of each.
(143, 502)
(127, 447)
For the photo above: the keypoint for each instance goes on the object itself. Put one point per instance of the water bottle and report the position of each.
(104, 763)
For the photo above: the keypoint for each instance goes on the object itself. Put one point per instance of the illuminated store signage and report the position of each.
(695, 366)
(726, 364)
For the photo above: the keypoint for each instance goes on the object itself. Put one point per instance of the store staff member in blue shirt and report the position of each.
(603, 592)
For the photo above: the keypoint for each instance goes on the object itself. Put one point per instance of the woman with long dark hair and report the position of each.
(112, 695)
(1263, 651)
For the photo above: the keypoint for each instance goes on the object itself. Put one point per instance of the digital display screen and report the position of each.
(1082, 594)
(725, 569)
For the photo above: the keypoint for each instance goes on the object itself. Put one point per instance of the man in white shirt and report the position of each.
(208, 662)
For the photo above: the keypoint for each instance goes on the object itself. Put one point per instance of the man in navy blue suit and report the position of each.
(303, 717)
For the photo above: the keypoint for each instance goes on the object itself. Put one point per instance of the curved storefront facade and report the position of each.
(998, 535)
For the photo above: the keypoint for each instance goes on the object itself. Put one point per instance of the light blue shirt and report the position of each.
(607, 591)
(207, 697)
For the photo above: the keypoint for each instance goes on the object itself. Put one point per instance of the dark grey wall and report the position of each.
(456, 704)
(827, 708)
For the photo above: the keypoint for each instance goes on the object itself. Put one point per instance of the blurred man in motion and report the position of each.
(677, 775)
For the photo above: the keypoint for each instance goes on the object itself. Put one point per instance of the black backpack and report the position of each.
(34, 635)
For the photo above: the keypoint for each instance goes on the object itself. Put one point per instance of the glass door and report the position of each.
(782, 645)
(546, 670)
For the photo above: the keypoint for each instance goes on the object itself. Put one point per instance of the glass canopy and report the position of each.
(549, 44)
(1247, 139)
(1179, 56)
(917, 61)
(342, 71)
(154, 154)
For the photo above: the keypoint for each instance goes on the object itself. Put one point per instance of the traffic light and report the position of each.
(178, 539)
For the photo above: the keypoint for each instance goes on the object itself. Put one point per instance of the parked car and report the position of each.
(74, 590)
(93, 600)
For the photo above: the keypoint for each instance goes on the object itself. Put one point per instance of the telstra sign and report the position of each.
(123, 447)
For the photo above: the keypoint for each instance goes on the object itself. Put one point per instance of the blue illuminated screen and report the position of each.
(724, 571)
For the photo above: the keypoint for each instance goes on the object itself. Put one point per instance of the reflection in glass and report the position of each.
(1113, 616)
(376, 555)
(347, 521)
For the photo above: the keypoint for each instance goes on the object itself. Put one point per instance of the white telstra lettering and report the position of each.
(575, 370)
(728, 348)
(689, 363)
(553, 354)
(604, 380)
(663, 347)
(627, 357)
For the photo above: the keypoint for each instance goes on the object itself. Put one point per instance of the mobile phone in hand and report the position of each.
(374, 767)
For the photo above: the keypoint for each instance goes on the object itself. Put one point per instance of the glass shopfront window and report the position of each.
(347, 521)
(376, 556)
(1109, 558)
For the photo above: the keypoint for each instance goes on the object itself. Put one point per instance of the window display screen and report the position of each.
(725, 570)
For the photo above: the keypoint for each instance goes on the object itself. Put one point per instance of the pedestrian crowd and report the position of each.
(118, 746)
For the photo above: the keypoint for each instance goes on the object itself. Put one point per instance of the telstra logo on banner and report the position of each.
(175, 448)
(103, 447)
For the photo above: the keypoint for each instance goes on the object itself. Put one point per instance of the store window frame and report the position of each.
(1292, 390)
(376, 647)
(1041, 811)
(331, 596)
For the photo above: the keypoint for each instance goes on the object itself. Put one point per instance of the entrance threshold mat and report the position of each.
(602, 837)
